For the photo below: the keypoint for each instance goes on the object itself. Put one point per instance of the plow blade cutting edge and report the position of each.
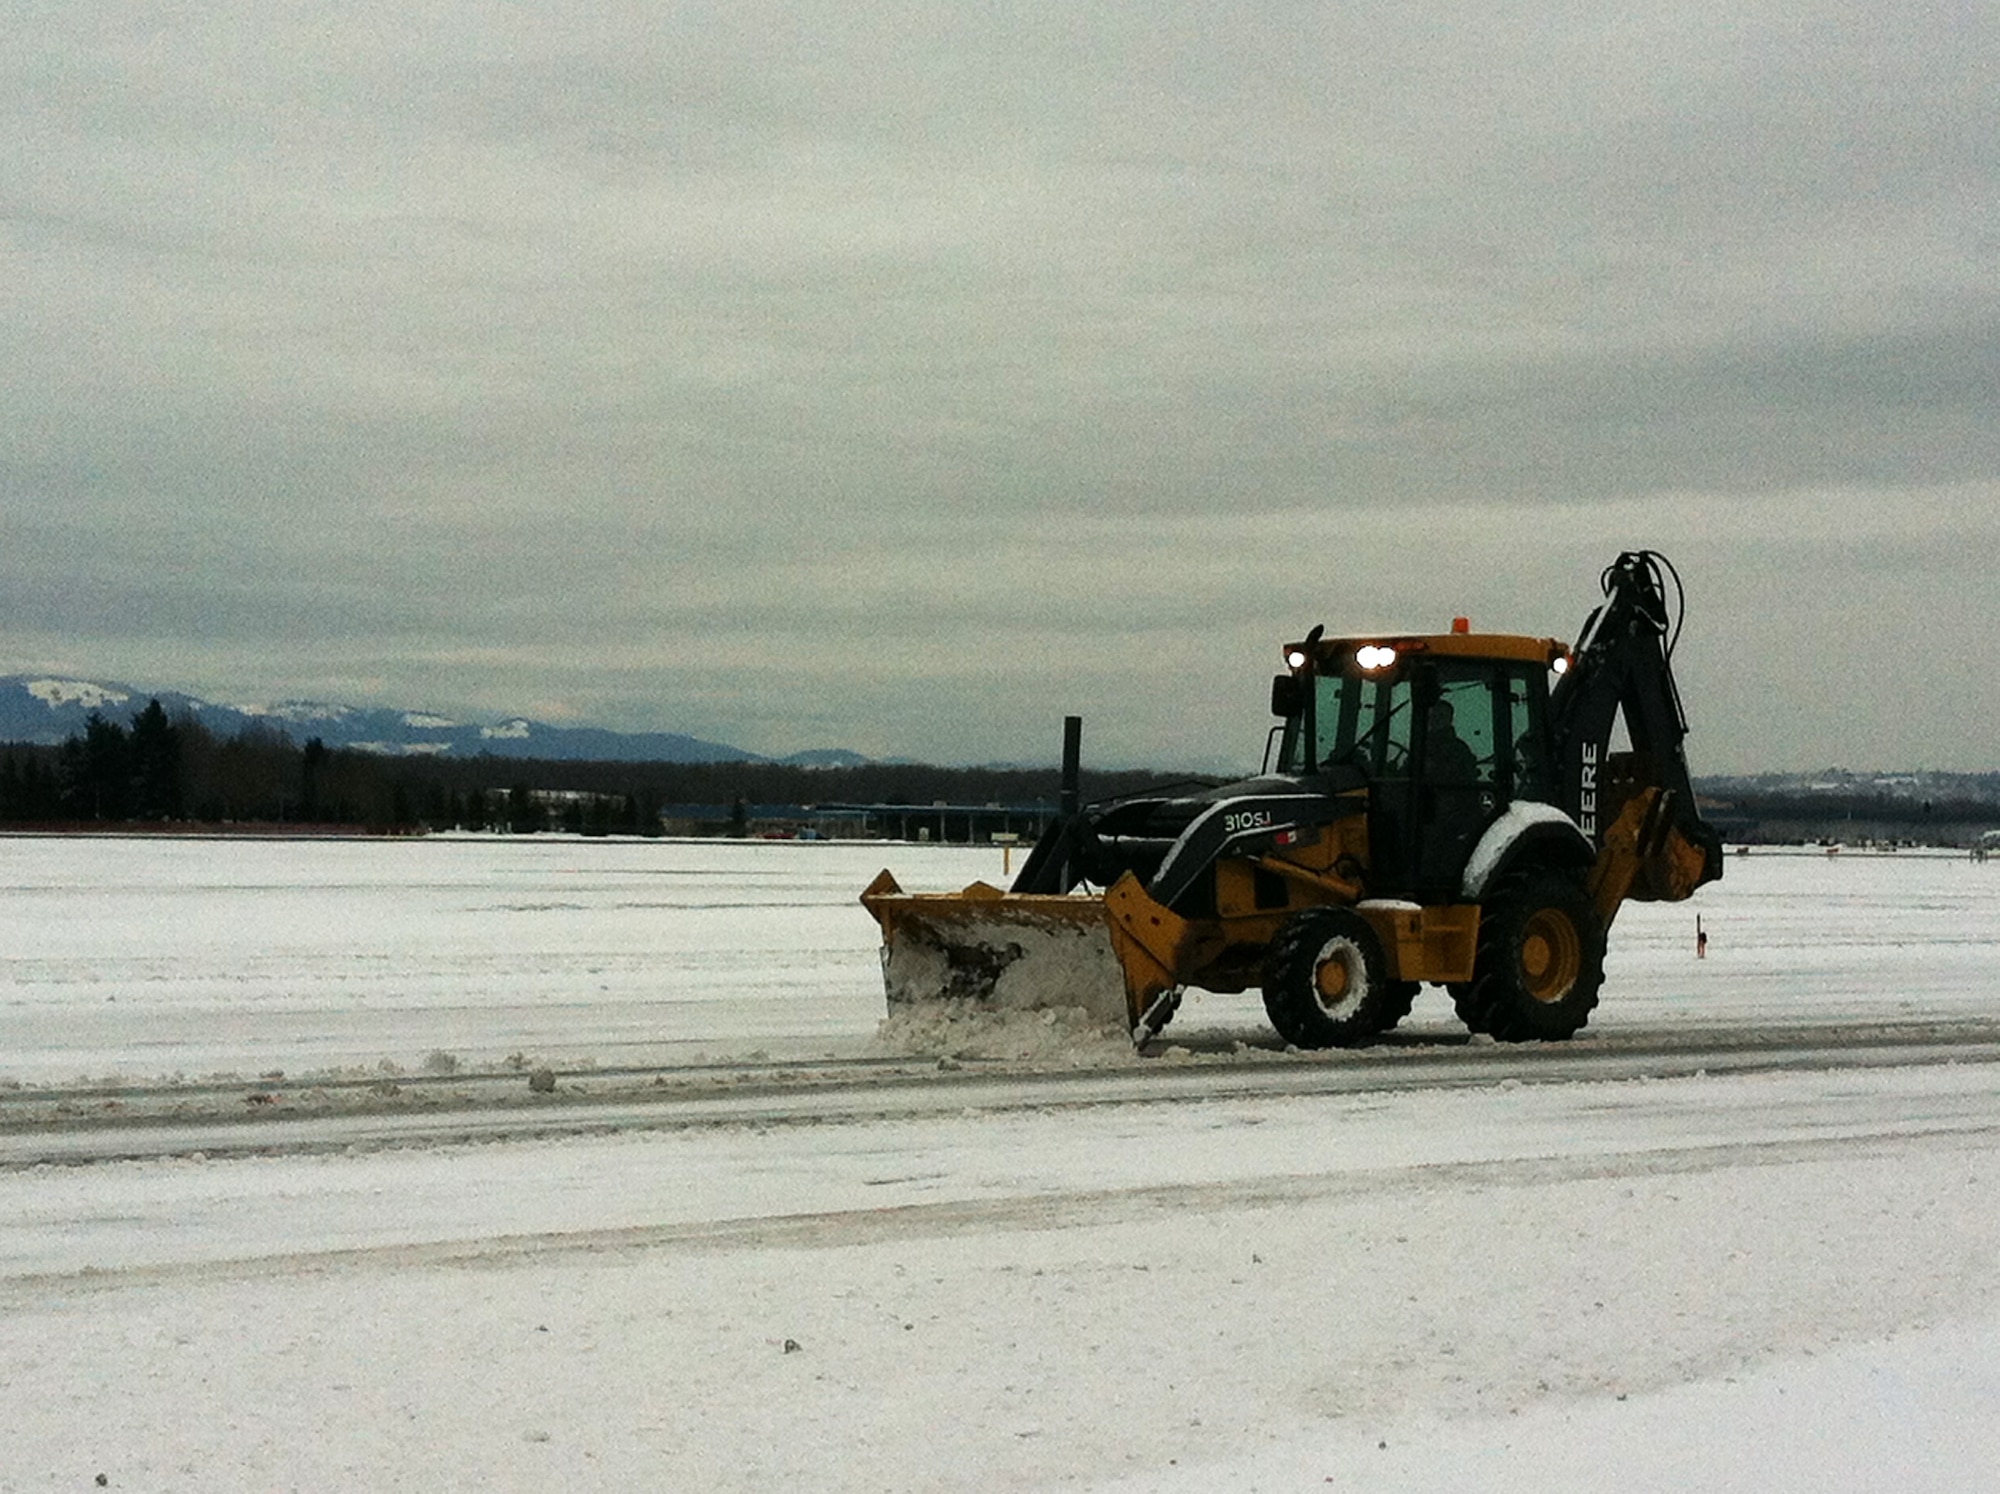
(1017, 952)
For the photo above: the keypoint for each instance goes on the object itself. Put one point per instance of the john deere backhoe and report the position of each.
(1443, 808)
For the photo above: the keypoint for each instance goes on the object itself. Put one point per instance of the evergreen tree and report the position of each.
(646, 812)
(97, 771)
(41, 795)
(155, 749)
(524, 815)
(312, 770)
(436, 812)
(13, 794)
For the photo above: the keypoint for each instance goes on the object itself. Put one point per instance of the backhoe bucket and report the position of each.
(997, 950)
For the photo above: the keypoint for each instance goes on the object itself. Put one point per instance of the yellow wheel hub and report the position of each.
(1332, 979)
(1551, 955)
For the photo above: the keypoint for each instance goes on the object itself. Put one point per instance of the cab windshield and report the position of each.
(1479, 722)
(1360, 721)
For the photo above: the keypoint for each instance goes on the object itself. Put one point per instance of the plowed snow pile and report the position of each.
(1067, 1035)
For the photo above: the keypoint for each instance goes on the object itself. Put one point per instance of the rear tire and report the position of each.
(1326, 981)
(1540, 962)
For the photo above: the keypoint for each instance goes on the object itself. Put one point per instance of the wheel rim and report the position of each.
(1551, 954)
(1338, 981)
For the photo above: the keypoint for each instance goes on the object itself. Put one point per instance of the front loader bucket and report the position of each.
(999, 950)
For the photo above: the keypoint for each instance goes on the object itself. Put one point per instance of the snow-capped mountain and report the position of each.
(47, 709)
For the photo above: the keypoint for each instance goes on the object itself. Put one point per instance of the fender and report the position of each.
(1525, 828)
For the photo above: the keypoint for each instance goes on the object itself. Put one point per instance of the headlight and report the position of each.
(1374, 656)
(1296, 658)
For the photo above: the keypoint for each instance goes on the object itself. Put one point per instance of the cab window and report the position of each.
(1527, 739)
(1461, 723)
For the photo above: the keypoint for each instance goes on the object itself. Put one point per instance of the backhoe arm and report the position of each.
(1638, 807)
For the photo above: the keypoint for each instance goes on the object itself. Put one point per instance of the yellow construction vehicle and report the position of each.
(1443, 808)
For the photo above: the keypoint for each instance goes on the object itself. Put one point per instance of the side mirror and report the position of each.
(1287, 695)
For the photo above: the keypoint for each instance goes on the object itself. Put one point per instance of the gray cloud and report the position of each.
(791, 374)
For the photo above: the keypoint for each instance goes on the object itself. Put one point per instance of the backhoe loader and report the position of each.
(1444, 808)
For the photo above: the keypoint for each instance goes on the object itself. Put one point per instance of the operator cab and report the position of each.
(1444, 730)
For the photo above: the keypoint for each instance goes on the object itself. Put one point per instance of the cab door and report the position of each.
(1460, 778)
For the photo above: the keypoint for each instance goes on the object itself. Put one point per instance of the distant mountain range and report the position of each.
(48, 709)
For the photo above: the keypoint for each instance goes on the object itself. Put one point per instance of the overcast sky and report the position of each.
(902, 376)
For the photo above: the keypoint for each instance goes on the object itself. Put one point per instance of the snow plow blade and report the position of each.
(1015, 951)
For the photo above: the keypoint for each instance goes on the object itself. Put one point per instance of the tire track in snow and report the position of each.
(43, 1128)
(1055, 1209)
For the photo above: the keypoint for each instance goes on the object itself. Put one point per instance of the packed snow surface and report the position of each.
(1781, 1278)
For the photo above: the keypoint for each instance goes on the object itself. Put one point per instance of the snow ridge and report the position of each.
(59, 693)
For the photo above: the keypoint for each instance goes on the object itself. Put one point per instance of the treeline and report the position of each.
(1861, 806)
(671, 784)
(158, 770)
(1779, 816)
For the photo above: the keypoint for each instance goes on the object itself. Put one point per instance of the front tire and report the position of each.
(1326, 981)
(1540, 963)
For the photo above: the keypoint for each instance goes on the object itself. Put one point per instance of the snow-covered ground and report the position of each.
(143, 957)
(138, 958)
(1785, 1278)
